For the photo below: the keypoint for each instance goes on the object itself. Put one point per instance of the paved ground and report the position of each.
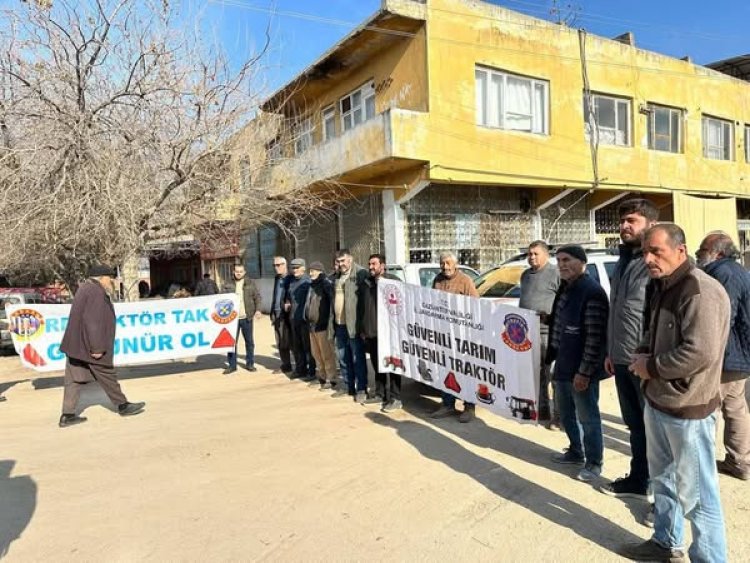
(255, 467)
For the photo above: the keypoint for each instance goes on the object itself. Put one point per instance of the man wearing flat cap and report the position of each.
(577, 344)
(88, 343)
(294, 303)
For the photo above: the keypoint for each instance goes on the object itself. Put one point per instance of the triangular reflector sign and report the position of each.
(224, 340)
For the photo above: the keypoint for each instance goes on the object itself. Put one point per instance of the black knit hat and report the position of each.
(101, 270)
(575, 251)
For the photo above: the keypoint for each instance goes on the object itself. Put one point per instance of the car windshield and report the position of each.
(500, 282)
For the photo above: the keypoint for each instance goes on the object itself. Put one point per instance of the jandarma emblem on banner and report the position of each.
(26, 324)
(393, 300)
(516, 334)
(224, 312)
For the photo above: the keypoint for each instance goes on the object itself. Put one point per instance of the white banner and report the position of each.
(147, 331)
(478, 350)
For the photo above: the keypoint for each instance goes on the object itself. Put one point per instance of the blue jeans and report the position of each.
(630, 396)
(579, 411)
(685, 484)
(244, 326)
(352, 359)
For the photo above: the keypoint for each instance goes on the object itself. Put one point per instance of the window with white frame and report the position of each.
(509, 101)
(358, 106)
(747, 143)
(303, 136)
(664, 128)
(608, 120)
(329, 123)
(718, 136)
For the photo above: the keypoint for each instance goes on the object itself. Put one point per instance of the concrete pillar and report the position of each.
(394, 229)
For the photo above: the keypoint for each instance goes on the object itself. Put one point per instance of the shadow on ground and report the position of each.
(17, 504)
(504, 483)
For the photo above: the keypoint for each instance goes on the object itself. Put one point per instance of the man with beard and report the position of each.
(249, 308)
(624, 333)
(717, 256)
(387, 384)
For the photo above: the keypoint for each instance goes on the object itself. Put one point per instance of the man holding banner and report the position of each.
(88, 343)
(452, 280)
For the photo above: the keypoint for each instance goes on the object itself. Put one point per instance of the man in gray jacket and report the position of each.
(680, 366)
(627, 300)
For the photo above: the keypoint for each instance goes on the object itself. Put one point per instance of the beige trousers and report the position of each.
(325, 358)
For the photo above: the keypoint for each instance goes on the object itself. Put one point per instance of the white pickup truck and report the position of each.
(422, 274)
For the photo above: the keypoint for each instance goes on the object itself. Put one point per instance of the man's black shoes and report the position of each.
(129, 409)
(70, 420)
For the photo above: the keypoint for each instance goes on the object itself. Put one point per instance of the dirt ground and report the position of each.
(255, 467)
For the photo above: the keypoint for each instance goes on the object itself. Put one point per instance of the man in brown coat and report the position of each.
(453, 280)
(89, 343)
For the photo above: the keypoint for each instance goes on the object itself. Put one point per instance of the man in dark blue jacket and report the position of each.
(718, 256)
(294, 303)
(577, 344)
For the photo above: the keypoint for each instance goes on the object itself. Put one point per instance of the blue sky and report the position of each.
(302, 30)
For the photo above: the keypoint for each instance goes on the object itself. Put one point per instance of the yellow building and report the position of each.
(461, 125)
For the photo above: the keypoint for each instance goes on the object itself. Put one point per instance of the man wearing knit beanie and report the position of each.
(577, 345)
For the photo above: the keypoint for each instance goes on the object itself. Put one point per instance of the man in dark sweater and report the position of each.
(718, 256)
(539, 286)
(577, 345)
(387, 385)
(680, 363)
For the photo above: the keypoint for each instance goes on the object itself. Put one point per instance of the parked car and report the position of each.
(422, 274)
(13, 296)
(503, 283)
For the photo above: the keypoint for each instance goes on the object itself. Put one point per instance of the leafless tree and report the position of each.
(119, 126)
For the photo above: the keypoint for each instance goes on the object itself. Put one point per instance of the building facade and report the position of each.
(460, 125)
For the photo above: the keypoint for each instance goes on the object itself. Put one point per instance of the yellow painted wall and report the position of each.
(463, 33)
(698, 216)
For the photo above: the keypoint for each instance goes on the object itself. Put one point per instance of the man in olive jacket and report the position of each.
(249, 308)
(680, 364)
(89, 343)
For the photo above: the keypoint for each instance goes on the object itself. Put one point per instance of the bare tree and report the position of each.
(120, 126)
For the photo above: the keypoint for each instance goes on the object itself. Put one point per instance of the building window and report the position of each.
(357, 107)
(747, 143)
(610, 121)
(329, 123)
(512, 102)
(717, 138)
(303, 136)
(664, 129)
(273, 150)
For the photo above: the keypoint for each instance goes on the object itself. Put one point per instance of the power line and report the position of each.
(406, 34)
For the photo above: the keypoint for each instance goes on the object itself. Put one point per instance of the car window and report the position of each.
(397, 271)
(499, 281)
(609, 267)
(427, 276)
(469, 272)
(593, 271)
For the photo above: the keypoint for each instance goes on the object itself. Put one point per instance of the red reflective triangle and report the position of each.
(451, 383)
(33, 357)
(224, 340)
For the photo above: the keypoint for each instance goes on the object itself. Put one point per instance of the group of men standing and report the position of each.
(675, 334)
(328, 324)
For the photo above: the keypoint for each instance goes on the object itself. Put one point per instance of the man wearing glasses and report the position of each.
(279, 317)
